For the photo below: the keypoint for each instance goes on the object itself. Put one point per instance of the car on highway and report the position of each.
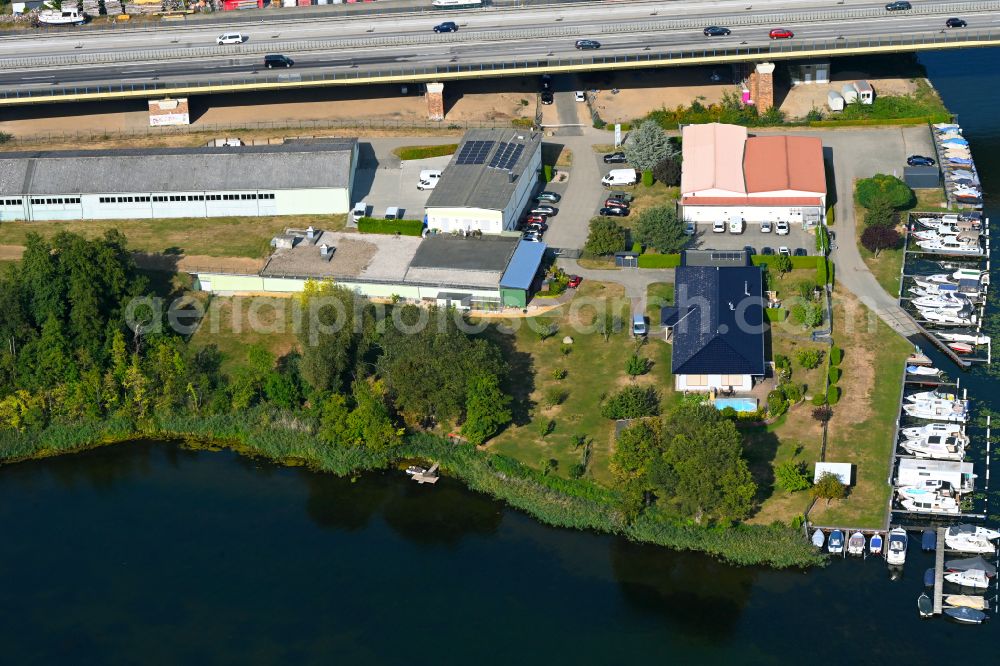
(955, 23)
(230, 38)
(585, 44)
(544, 210)
(615, 158)
(781, 228)
(580, 96)
(574, 281)
(272, 61)
(920, 160)
(765, 227)
(547, 97)
(781, 33)
(447, 26)
(613, 211)
(719, 227)
(554, 197)
(898, 6)
(716, 31)
(785, 251)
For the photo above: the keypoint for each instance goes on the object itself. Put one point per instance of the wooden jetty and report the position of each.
(939, 571)
(430, 476)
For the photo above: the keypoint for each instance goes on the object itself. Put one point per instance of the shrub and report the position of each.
(647, 178)
(577, 471)
(823, 413)
(554, 395)
(792, 392)
(5, 137)
(823, 273)
(880, 213)
(805, 289)
(668, 171)
(605, 237)
(819, 400)
(783, 263)
(822, 240)
(520, 122)
(834, 374)
(807, 315)
(545, 426)
(829, 487)
(729, 413)
(566, 350)
(559, 373)
(776, 404)
(636, 365)
(424, 152)
(547, 173)
(659, 260)
(632, 402)
(833, 394)
(782, 363)
(790, 476)
(371, 225)
(836, 355)
(809, 358)
(895, 192)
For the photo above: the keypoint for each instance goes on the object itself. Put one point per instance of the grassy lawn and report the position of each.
(593, 368)
(424, 152)
(657, 194)
(658, 294)
(217, 237)
(234, 323)
(887, 265)
(796, 436)
(863, 423)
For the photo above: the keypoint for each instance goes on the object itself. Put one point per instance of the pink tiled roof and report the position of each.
(713, 157)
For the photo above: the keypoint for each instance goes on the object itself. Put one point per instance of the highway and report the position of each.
(374, 46)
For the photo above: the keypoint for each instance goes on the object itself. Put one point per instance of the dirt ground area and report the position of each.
(490, 99)
(803, 98)
(640, 92)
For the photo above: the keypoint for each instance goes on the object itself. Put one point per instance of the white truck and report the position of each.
(618, 177)
(428, 179)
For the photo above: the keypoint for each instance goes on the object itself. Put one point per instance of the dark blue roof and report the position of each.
(669, 315)
(723, 332)
(523, 266)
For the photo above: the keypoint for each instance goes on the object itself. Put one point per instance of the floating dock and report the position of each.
(939, 571)
(430, 476)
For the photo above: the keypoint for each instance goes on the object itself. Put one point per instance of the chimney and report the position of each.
(310, 233)
(325, 252)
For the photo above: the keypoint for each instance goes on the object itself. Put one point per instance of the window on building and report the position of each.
(732, 380)
(696, 380)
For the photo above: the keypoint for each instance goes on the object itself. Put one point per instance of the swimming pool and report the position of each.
(739, 404)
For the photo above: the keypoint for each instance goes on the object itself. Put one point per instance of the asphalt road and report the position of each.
(484, 37)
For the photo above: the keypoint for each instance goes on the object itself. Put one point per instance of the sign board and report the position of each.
(618, 135)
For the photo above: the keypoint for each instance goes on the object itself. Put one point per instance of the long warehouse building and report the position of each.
(298, 177)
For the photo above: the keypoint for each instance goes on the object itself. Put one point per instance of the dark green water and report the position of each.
(149, 554)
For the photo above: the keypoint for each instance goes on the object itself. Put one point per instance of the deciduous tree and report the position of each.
(660, 229)
(605, 237)
(878, 238)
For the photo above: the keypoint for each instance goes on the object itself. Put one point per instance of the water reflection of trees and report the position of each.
(104, 468)
(694, 592)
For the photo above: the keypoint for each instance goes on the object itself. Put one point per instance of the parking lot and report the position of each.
(796, 239)
(384, 184)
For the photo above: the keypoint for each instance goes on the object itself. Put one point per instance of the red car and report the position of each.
(535, 219)
(574, 281)
(781, 33)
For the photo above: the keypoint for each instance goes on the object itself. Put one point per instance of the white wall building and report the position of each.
(295, 178)
(488, 183)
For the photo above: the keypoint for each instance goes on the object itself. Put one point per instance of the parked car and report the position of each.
(785, 251)
(544, 210)
(535, 219)
(428, 179)
(920, 160)
(765, 227)
(580, 96)
(898, 6)
(574, 281)
(554, 197)
(719, 227)
(547, 97)
(230, 38)
(620, 194)
(615, 158)
(615, 202)
(736, 225)
(801, 252)
(613, 211)
(531, 238)
(272, 61)
(546, 82)
(639, 325)
(586, 44)
(716, 31)
(781, 228)
(447, 26)
(955, 23)
(766, 251)
(690, 228)
(781, 33)
(620, 177)
(538, 227)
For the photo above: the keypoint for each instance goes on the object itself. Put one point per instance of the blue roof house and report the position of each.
(718, 328)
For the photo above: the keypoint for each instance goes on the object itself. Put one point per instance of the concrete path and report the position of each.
(635, 280)
(581, 195)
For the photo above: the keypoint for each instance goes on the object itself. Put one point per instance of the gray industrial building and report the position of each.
(488, 183)
(298, 177)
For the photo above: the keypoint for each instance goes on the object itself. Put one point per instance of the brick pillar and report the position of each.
(763, 97)
(435, 101)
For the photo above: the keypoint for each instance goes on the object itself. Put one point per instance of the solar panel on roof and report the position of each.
(474, 152)
(511, 159)
(498, 156)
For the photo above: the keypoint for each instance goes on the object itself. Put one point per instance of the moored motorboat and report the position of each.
(941, 301)
(935, 448)
(875, 544)
(932, 429)
(835, 544)
(974, 531)
(938, 410)
(919, 371)
(936, 394)
(967, 601)
(971, 564)
(896, 552)
(965, 543)
(818, 538)
(413, 470)
(944, 318)
(929, 503)
(924, 605)
(961, 347)
(963, 337)
(929, 575)
(975, 578)
(965, 615)
(928, 541)
(856, 544)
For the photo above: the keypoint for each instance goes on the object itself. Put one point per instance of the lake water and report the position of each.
(148, 553)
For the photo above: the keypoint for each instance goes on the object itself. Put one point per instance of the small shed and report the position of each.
(849, 92)
(627, 259)
(669, 316)
(843, 471)
(922, 177)
(866, 94)
(835, 101)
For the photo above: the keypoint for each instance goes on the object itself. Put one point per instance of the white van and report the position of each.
(360, 210)
(428, 179)
(229, 38)
(736, 225)
(617, 177)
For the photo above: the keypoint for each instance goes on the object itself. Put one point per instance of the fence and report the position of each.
(358, 76)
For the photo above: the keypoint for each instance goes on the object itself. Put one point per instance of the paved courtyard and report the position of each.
(796, 239)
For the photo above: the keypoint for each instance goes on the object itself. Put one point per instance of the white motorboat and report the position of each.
(946, 449)
(928, 487)
(948, 318)
(950, 245)
(942, 301)
(936, 394)
(818, 539)
(856, 544)
(934, 429)
(969, 290)
(934, 234)
(922, 371)
(964, 337)
(835, 544)
(932, 503)
(68, 15)
(974, 578)
(974, 530)
(956, 411)
(896, 552)
(965, 543)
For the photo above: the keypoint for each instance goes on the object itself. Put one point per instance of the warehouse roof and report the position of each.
(523, 265)
(472, 262)
(713, 157)
(485, 170)
(298, 164)
(724, 332)
(778, 163)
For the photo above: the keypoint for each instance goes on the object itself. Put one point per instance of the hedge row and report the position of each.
(776, 315)
(824, 271)
(424, 152)
(933, 118)
(797, 262)
(371, 225)
(659, 260)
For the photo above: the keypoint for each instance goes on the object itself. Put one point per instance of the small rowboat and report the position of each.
(961, 347)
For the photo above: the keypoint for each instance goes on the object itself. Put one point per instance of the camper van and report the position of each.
(618, 177)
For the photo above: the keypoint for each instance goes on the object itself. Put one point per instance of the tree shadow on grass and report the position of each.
(520, 382)
(760, 447)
